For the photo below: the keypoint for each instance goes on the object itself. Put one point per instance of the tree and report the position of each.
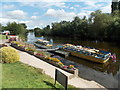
(37, 31)
(100, 24)
(0, 27)
(56, 28)
(75, 24)
(96, 13)
(24, 25)
(15, 28)
(114, 28)
(80, 28)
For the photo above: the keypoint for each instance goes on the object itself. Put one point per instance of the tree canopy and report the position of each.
(99, 26)
(15, 28)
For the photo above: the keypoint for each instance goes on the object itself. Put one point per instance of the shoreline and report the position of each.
(50, 70)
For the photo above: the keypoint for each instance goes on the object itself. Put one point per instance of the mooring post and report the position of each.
(76, 72)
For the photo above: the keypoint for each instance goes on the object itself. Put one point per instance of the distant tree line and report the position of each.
(15, 28)
(99, 26)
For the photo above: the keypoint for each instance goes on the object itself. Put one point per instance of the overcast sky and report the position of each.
(39, 13)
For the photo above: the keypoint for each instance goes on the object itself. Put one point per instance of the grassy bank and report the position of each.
(2, 36)
(19, 75)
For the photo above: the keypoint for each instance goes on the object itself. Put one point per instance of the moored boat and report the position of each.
(44, 42)
(46, 45)
(87, 53)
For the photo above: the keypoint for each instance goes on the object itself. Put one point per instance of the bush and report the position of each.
(9, 55)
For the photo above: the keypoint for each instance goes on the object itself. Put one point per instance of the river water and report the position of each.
(107, 74)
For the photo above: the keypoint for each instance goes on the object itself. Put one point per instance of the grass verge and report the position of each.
(19, 75)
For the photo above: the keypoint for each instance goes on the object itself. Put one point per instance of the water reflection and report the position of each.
(105, 74)
(31, 37)
(109, 67)
(92, 71)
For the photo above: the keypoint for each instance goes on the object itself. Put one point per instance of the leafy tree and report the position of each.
(24, 25)
(99, 26)
(56, 28)
(37, 31)
(46, 30)
(114, 28)
(15, 28)
(0, 27)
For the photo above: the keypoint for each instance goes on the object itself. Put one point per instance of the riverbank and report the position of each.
(19, 75)
(50, 70)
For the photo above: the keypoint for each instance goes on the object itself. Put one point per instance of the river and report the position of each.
(106, 74)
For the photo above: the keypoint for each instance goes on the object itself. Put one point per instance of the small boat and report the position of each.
(46, 45)
(44, 48)
(44, 42)
(41, 46)
(87, 53)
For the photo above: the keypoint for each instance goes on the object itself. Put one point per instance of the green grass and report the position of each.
(19, 75)
(2, 36)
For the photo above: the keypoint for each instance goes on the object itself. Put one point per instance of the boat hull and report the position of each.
(40, 46)
(90, 58)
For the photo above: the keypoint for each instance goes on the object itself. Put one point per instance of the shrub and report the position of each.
(9, 55)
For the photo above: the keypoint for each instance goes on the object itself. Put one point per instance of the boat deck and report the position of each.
(53, 49)
(62, 53)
